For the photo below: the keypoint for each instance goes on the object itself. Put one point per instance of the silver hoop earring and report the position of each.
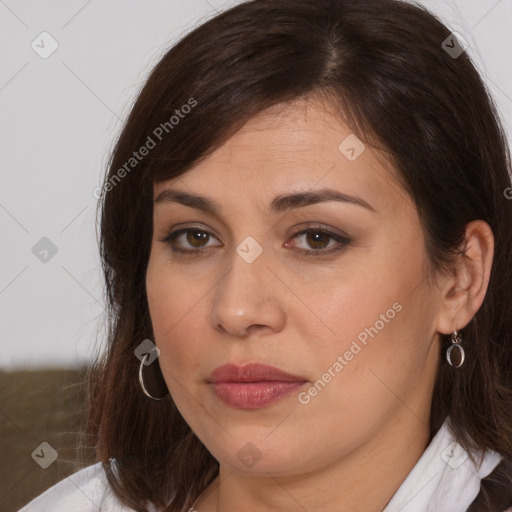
(153, 384)
(459, 360)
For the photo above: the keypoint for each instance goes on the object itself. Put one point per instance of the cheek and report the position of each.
(175, 308)
(372, 333)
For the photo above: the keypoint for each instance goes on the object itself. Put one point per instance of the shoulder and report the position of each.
(87, 490)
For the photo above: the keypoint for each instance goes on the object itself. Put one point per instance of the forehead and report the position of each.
(302, 145)
(281, 133)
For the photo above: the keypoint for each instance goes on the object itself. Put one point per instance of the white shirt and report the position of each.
(443, 480)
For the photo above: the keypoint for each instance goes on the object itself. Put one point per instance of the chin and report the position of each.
(261, 455)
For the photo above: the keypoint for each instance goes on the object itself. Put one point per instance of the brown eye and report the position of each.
(188, 240)
(317, 241)
(192, 241)
(197, 237)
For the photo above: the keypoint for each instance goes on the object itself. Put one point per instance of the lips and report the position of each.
(253, 372)
(253, 386)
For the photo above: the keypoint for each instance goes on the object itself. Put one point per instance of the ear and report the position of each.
(463, 292)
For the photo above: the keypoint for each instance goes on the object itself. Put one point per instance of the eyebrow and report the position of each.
(280, 203)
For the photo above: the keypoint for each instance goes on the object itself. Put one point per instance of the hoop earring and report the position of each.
(456, 339)
(153, 384)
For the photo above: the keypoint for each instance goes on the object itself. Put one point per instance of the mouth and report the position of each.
(253, 385)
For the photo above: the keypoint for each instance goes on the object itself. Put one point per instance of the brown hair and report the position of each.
(382, 65)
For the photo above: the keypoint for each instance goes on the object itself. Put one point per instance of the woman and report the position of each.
(305, 236)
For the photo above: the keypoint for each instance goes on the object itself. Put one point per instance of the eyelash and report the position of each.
(315, 253)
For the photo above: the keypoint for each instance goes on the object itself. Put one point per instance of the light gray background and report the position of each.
(59, 118)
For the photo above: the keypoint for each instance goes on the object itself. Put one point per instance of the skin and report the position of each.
(354, 443)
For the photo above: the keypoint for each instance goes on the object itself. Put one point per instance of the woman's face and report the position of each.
(350, 313)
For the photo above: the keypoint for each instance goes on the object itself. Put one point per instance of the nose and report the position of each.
(247, 300)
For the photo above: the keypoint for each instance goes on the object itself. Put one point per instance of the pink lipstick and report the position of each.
(253, 385)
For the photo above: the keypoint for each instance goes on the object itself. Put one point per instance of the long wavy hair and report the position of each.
(383, 66)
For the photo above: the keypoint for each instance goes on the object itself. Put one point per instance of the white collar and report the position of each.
(444, 478)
